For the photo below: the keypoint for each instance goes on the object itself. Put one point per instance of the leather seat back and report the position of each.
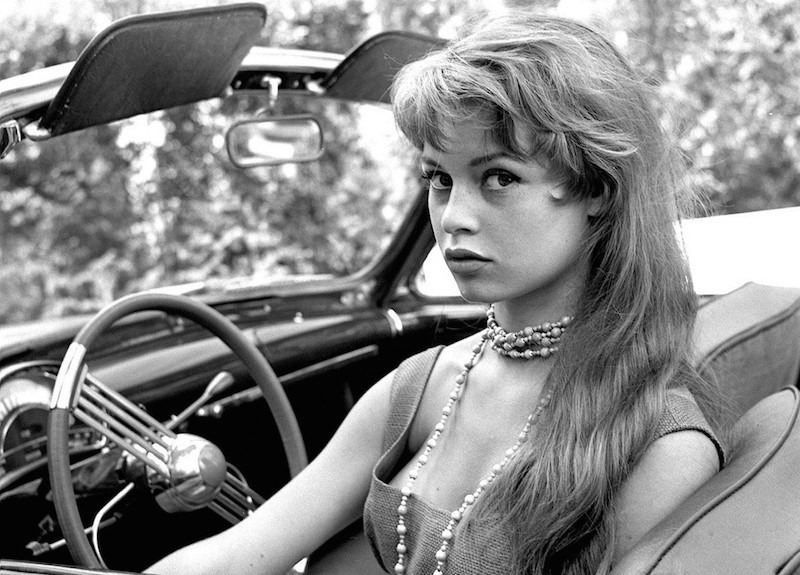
(748, 341)
(746, 519)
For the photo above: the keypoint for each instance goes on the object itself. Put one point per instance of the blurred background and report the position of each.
(728, 70)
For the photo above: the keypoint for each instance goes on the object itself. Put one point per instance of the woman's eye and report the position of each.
(438, 181)
(499, 180)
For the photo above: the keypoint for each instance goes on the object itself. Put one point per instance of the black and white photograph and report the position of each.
(417, 287)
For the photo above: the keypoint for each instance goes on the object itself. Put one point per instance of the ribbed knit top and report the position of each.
(479, 546)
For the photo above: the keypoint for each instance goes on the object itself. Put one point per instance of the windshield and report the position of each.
(154, 201)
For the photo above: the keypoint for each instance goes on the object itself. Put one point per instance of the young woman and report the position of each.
(555, 439)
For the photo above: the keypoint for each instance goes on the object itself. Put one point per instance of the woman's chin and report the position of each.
(474, 294)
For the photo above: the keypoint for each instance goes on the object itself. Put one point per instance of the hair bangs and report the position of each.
(448, 88)
(430, 95)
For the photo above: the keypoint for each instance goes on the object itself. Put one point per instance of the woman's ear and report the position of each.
(598, 203)
(595, 205)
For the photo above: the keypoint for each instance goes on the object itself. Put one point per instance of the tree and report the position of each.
(731, 71)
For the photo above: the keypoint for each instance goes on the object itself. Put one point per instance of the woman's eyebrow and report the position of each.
(489, 157)
(484, 159)
(428, 161)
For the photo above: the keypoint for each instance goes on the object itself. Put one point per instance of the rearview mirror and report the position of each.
(274, 141)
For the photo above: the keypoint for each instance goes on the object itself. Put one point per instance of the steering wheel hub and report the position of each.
(197, 471)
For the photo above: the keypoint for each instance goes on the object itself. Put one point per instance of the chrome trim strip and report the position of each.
(254, 393)
(72, 369)
(10, 370)
(27, 92)
(337, 361)
(395, 322)
(264, 58)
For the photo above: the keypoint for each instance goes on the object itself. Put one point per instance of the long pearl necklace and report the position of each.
(491, 334)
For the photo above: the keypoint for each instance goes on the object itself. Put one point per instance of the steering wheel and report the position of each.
(78, 394)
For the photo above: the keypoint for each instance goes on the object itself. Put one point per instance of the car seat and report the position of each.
(746, 519)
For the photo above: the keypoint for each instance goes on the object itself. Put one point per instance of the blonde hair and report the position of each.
(556, 90)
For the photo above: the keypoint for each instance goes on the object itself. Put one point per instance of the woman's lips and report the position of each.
(464, 262)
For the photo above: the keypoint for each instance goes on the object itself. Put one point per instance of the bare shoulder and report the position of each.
(373, 406)
(672, 468)
(461, 349)
(449, 364)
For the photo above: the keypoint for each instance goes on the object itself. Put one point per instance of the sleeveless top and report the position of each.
(479, 546)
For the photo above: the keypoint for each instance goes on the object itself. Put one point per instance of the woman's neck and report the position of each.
(514, 315)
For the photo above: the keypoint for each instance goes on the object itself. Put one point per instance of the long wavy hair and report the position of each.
(557, 91)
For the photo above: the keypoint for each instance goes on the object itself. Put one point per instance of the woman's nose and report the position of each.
(459, 213)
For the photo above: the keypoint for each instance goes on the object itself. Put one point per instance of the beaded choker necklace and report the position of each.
(528, 343)
(547, 335)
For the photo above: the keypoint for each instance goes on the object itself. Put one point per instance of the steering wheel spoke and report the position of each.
(146, 454)
(124, 423)
(126, 410)
(239, 490)
(236, 500)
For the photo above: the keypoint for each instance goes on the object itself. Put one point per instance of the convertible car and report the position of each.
(134, 426)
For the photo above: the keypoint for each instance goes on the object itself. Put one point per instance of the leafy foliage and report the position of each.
(731, 71)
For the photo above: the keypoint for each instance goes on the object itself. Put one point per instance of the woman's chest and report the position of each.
(476, 440)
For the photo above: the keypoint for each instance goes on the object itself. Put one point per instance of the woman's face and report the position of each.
(506, 227)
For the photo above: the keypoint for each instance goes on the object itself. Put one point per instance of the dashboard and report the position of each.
(25, 391)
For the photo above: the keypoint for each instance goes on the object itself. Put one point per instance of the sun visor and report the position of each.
(367, 72)
(151, 62)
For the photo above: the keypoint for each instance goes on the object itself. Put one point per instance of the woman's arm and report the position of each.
(324, 498)
(672, 468)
